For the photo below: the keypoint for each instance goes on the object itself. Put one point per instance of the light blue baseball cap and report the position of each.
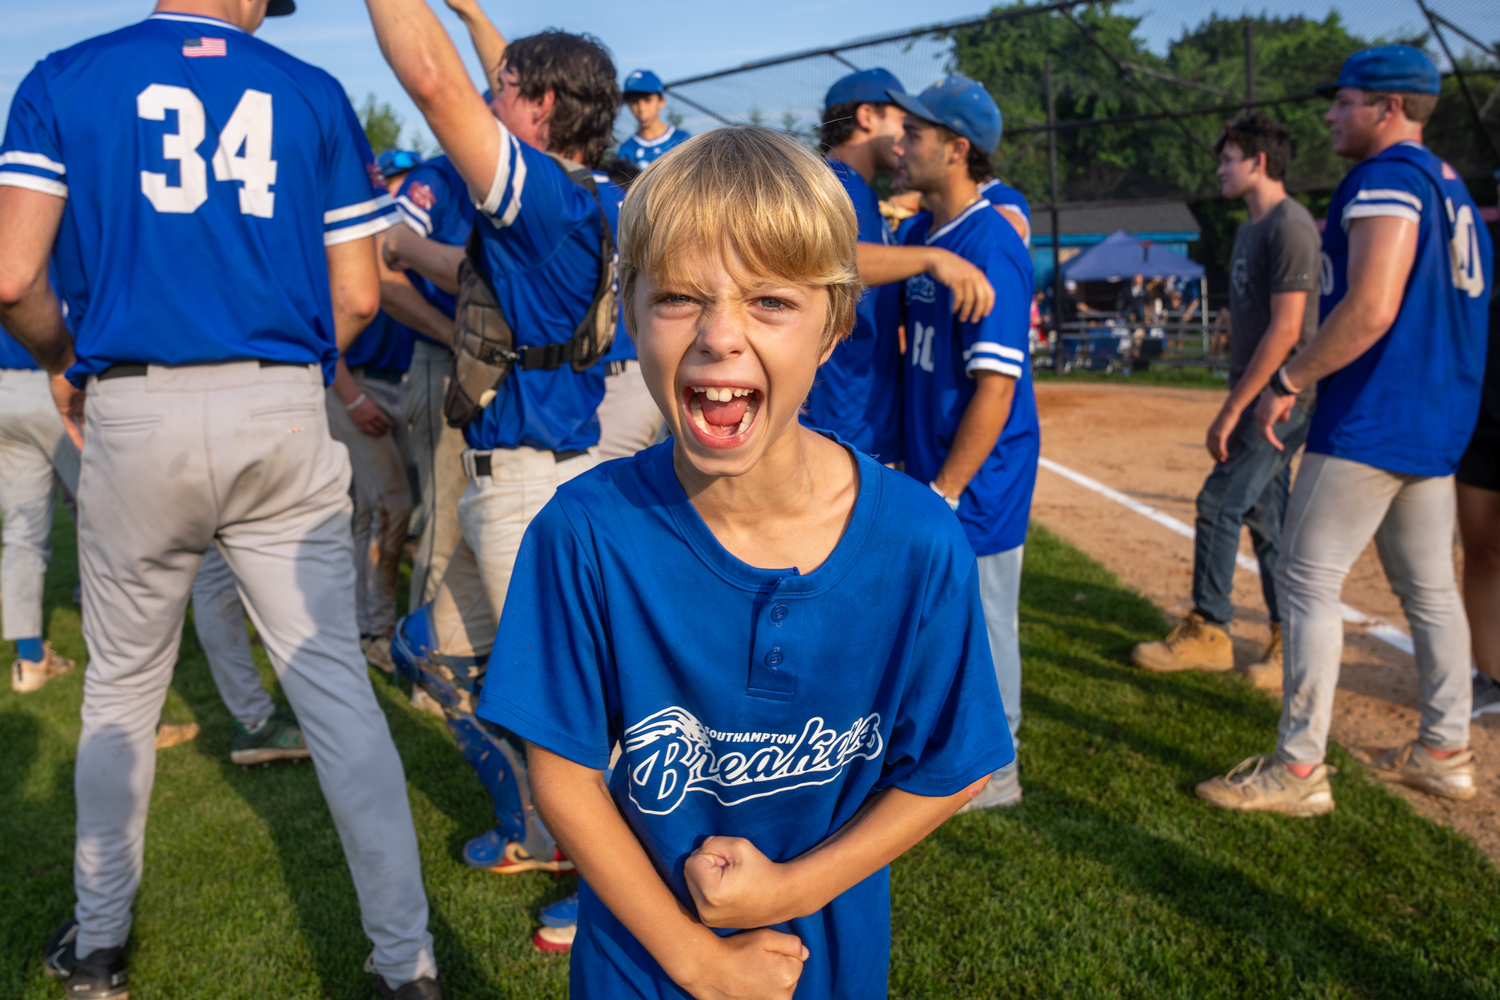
(958, 103)
(868, 86)
(1396, 69)
(396, 161)
(642, 81)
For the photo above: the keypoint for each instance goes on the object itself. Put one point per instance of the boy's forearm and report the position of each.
(437, 262)
(580, 813)
(1287, 310)
(978, 430)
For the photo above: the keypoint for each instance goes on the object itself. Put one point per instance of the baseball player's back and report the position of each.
(215, 247)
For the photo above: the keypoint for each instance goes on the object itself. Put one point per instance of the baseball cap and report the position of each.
(960, 104)
(281, 8)
(395, 161)
(1399, 69)
(642, 81)
(868, 86)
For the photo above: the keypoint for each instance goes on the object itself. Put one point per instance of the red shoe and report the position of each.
(557, 939)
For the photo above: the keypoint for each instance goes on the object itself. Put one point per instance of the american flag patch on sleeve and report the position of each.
(195, 48)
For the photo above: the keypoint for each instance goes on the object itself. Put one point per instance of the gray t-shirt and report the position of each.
(1280, 253)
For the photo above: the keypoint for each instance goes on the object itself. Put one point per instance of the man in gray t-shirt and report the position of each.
(1273, 276)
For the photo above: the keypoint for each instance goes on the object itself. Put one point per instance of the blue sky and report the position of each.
(676, 38)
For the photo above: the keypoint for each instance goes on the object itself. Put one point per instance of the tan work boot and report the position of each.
(1414, 765)
(26, 676)
(378, 653)
(1265, 673)
(171, 734)
(1195, 644)
(1259, 784)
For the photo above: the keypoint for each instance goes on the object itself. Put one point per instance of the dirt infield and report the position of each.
(1147, 442)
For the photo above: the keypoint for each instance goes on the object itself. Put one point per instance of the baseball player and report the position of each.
(217, 203)
(971, 422)
(645, 97)
(858, 391)
(1398, 360)
(545, 254)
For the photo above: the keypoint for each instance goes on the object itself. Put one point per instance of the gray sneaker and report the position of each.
(1486, 695)
(1411, 764)
(1260, 784)
(1003, 789)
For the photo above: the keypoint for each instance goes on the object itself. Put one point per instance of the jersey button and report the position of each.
(779, 613)
(774, 658)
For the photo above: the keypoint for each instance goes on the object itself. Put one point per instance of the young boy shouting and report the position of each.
(785, 636)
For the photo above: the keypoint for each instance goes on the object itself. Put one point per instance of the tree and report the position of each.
(383, 126)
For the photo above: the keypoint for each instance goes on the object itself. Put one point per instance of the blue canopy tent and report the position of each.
(1122, 256)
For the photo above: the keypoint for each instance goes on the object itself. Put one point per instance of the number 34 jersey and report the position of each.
(205, 173)
(1409, 403)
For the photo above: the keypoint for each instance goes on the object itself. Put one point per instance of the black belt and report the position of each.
(379, 374)
(126, 369)
(615, 367)
(482, 466)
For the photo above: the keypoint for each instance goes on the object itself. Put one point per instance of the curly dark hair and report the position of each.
(1255, 133)
(581, 75)
(839, 122)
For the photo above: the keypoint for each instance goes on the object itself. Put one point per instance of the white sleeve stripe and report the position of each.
(32, 160)
(1389, 194)
(518, 181)
(32, 182)
(991, 365)
(990, 347)
(379, 224)
(409, 209)
(507, 162)
(355, 211)
(415, 226)
(1352, 211)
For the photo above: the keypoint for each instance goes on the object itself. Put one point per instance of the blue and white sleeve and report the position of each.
(31, 156)
(998, 342)
(356, 203)
(422, 194)
(1386, 190)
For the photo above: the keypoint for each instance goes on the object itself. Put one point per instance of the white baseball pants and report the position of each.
(629, 419)
(437, 450)
(239, 454)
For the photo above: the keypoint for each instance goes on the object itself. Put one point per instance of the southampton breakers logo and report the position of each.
(920, 288)
(686, 756)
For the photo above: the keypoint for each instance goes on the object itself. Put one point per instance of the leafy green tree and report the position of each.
(383, 127)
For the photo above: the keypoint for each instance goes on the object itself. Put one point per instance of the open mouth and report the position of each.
(721, 415)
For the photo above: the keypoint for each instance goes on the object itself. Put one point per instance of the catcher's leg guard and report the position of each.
(452, 681)
(519, 841)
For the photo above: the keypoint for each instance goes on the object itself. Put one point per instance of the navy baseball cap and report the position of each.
(642, 81)
(281, 8)
(958, 103)
(868, 86)
(1397, 69)
(395, 161)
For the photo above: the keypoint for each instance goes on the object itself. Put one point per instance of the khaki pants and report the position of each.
(239, 455)
(628, 417)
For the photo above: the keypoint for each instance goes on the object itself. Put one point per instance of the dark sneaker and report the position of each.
(1486, 695)
(278, 738)
(100, 975)
(426, 988)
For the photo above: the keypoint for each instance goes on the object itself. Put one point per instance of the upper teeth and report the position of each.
(721, 394)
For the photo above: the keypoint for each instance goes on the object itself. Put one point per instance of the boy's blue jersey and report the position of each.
(205, 173)
(756, 703)
(644, 152)
(383, 346)
(942, 356)
(434, 200)
(1002, 195)
(857, 393)
(1408, 404)
(540, 236)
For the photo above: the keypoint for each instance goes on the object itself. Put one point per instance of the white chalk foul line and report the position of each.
(1378, 627)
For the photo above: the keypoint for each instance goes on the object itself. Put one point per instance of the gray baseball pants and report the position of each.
(219, 620)
(1336, 507)
(237, 454)
(382, 501)
(36, 456)
(1000, 593)
(437, 451)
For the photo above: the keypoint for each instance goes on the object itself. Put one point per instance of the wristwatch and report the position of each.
(952, 502)
(1279, 385)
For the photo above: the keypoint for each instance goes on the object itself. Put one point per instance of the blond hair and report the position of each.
(754, 196)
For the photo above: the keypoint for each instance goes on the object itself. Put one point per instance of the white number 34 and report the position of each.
(248, 129)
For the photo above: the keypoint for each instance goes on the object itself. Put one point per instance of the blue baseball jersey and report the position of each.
(205, 173)
(13, 356)
(540, 235)
(774, 717)
(1002, 195)
(383, 346)
(434, 200)
(644, 152)
(1408, 404)
(942, 356)
(857, 393)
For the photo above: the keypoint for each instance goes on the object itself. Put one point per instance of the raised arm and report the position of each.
(429, 68)
(973, 296)
(489, 44)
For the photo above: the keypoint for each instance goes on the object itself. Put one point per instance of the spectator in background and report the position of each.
(644, 96)
(1273, 271)
(1132, 300)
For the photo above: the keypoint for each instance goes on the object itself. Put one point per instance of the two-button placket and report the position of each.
(773, 670)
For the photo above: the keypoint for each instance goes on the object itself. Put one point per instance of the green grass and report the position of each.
(1110, 880)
